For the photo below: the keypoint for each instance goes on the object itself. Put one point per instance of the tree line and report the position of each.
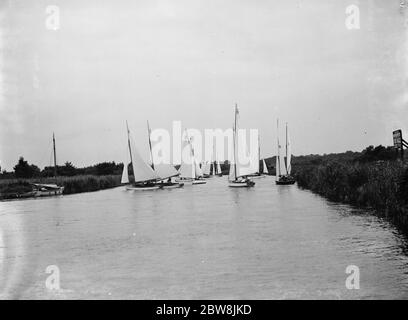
(25, 170)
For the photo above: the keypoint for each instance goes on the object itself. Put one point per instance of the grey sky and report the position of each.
(190, 60)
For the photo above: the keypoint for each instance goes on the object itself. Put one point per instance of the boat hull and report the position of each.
(199, 182)
(191, 181)
(143, 188)
(241, 184)
(258, 176)
(282, 183)
(49, 193)
(172, 185)
(285, 180)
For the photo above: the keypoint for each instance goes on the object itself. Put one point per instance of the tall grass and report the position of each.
(382, 186)
(11, 188)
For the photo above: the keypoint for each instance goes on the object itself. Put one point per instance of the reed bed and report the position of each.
(12, 188)
(381, 185)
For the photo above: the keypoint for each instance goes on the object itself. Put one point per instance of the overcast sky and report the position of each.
(189, 60)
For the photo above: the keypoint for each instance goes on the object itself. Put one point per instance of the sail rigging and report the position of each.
(288, 152)
(162, 170)
(240, 148)
(142, 172)
(189, 170)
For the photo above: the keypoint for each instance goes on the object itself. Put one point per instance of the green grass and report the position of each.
(11, 188)
(382, 186)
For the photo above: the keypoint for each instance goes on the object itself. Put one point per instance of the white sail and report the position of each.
(277, 165)
(165, 171)
(218, 168)
(288, 152)
(258, 158)
(213, 169)
(280, 163)
(206, 168)
(231, 175)
(240, 151)
(125, 174)
(141, 170)
(188, 170)
(198, 171)
(265, 168)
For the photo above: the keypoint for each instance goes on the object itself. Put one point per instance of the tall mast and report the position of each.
(130, 148)
(55, 155)
(278, 153)
(259, 153)
(286, 150)
(150, 144)
(235, 138)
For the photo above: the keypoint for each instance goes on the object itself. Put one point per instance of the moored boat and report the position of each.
(46, 190)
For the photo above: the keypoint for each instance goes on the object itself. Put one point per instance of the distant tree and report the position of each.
(105, 168)
(379, 153)
(24, 170)
(67, 170)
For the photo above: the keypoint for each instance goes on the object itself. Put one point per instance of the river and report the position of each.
(198, 242)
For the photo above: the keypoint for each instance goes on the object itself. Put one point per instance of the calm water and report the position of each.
(199, 242)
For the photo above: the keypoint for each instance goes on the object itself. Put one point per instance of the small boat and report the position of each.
(256, 165)
(238, 176)
(144, 186)
(243, 183)
(283, 166)
(190, 173)
(199, 181)
(145, 178)
(171, 184)
(46, 190)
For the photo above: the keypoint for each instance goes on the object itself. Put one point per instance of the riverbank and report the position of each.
(381, 185)
(15, 188)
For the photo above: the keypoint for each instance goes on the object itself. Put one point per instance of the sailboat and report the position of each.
(237, 175)
(206, 168)
(165, 171)
(145, 178)
(190, 173)
(43, 190)
(216, 164)
(256, 162)
(283, 168)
